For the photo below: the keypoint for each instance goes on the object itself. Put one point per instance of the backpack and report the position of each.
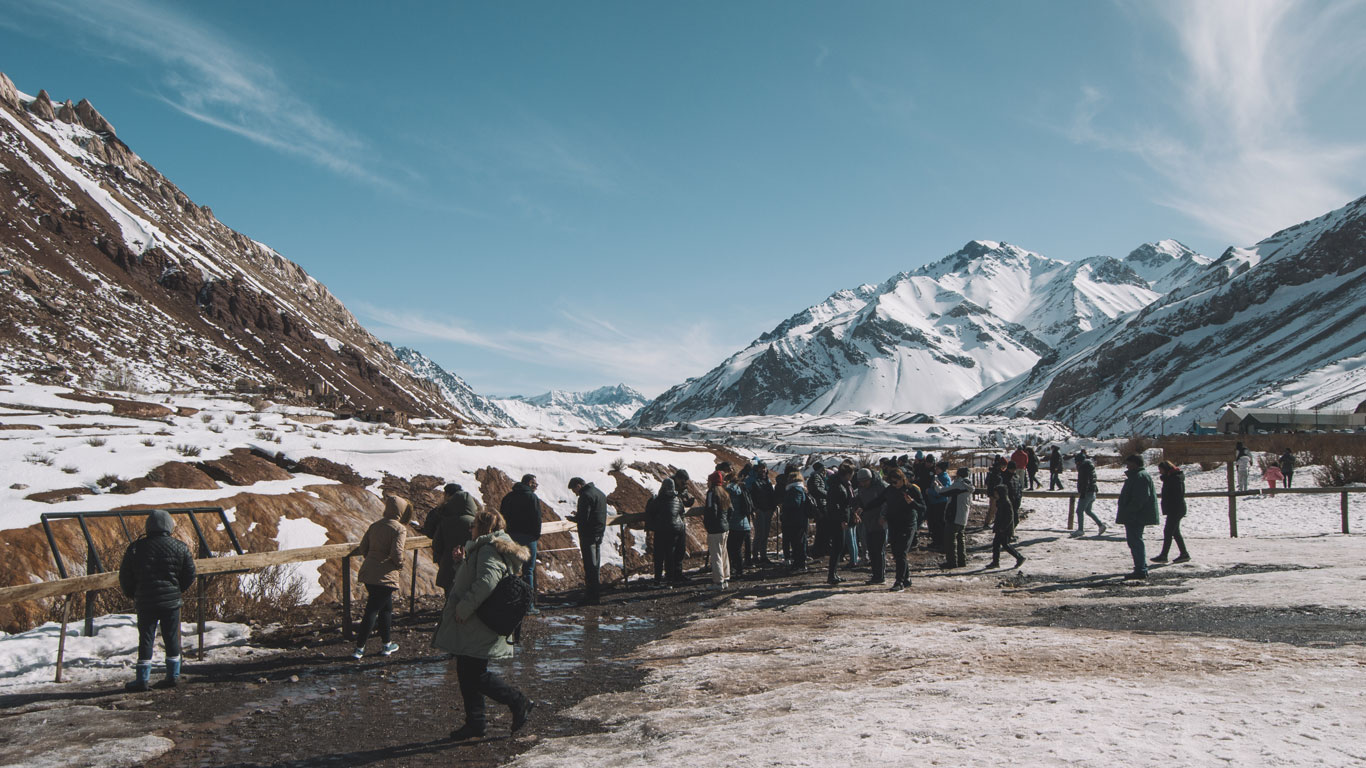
(506, 605)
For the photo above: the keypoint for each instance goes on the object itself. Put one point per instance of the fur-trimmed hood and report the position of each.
(503, 545)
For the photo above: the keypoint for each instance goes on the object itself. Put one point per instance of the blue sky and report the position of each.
(565, 195)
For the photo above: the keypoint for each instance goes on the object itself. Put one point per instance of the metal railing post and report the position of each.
(90, 558)
(624, 572)
(346, 597)
(412, 589)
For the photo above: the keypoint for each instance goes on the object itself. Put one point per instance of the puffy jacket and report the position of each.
(382, 548)
(740, 508)
(1021, 459)
(487, 560)
(1086, 476)
(959, 494)
(1288, 462)
(760, 490)
(1055, 461)
(1174, 494)
(591, 515)
(841, 502)
(903, 507)
(715, 518)
(448, 526)
(994, 477)
(1137, 499)
(156, 568)
(521, 510)
(671, 509)
(794, 500)
(1004, 524)
(817, 489)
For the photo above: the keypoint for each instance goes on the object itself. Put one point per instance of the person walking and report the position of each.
(521, 509)
(794, 519)
(1288, 467)
(1055, 469)
(489, 557)
(716, 519)
(869, 486)
(1242, 459)
(994, 477)
(1003, 527)
(1032, 464)
(903, 506)
(1137, 510)
(448, 526)
(840, 510)
(738, 526)
(1272, 475)
(1173, 500)
(759, 486)
(591, 519)
(1014, 478)
(959, 494)
(155, 570)
(382, 551)
(1088, 488)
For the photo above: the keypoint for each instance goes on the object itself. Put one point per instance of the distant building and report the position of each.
(1252, 420)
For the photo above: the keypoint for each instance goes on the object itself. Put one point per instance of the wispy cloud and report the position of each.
(881, 97)
(822, 53)
(210, 78)
(1236, 151)
(596, 348)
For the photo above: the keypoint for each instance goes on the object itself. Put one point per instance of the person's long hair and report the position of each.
(722, 497)
(487, 522)
(1166, 468)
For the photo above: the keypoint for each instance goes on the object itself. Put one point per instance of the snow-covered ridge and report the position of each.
(600, 408)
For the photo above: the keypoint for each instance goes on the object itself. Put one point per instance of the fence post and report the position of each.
(412, 590)
(346, 597)
(90, 557)
(624, 573)
(1346, 528)
(61, 641)
(1071, 510)
(1232, 513)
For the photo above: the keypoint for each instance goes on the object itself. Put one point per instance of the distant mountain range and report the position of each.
(1163, 336)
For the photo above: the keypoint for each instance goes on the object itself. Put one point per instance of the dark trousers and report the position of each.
(170, 632)
(737, 547)
(836, 534)
(794, 540)
(670, 547)
(591, 549)
(958, 552)
(476, 682)
(529, 568)
(763, 520)
(1054, 481)
(1171, 531)
(1134, 535)
(877, 552)
(1289, 475)
(900, 541)
(379, 606)
(999, 542)
(941, 530)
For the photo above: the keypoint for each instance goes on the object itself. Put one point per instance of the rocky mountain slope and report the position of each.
(601, 408)
(1277, 324)
(921, 341)
(457, 392)
(112, 276)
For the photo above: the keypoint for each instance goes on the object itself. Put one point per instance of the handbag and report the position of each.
(506, 605)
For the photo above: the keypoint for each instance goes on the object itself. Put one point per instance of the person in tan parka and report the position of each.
(382, 548)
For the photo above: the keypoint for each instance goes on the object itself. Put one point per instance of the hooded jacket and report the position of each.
(959, 493)
(156, 568)
(448, 526)
(382, 547)
(487, 560)
(1137, 499)
(1086, 475)
(873, 518)
(670, 514)
(1174, 494)
(521, 510)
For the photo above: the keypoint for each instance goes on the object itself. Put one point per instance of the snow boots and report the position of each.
(143, 676)
(172, 674)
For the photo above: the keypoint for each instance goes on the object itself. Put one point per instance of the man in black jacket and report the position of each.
(448, 525)
(521, 511)
(591, 517)
(155, 570)
(839, 516)
(817, 491)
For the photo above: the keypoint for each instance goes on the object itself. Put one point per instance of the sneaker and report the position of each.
(1077, 534)
(898, 587)
(1019, 561)
(1136, 576)
(877, 581)
(1182, 558)
(833, 580)
(1102, 529)
(521, 713)
(1160, 559)
(359, 653)
(467, 731)
(388, 649)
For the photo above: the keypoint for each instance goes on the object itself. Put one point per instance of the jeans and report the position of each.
(794, 540)
(379, 606)
(737, 547)
(877, 552)
(1054, 481)
(852, 537)
(763, 520)
(1134, 535)
(1088, 500)
(529, 569)
(837, 537)
(170, 633)
(591, 549)
(719, 557)
(476, 682)
(958, 553)
(1171, 531)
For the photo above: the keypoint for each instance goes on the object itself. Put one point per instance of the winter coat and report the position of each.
(1004, 524)
(903, 507)
(1086, 476)
(1055, 461)
(794, 500)
(591, 515)
(817, 489)
(1288, 463)
(1273, 475)
(1174, 494)
(448, 526)
(959, 493)
(874, 518)
(994, 477)
(670, 514)
(487, 560)
(760, 490)
(1021, 459)
(156, 568)
(521, 510)
(1244, 461)
(1015, 482)
(714, 518)
(1032, 461)
(840, 505)
(382, 548)
(739, 508)
(1137, 499)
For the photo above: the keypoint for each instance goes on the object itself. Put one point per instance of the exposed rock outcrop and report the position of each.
(42, 106)
(92, 119)
(9, 95)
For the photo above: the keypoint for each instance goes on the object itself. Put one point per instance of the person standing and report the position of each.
(959, 494)
(591, 519)
(738, 527)
(817, 490)
(868, 487)
(155, 570)
(903, 505)
(521, 509)
(448, 526)
(994, 477)
(671, 534)
(1055, 469)
(1003, 528)
(1173, 498)
(1288, 467)
(382, 551)
(1137, 510)
(840, 510)
(489, 557)
(715, 518)
(759, 487)
(1088, 488)
(794, 518)
(1242, 459)
(1021, 458)
(1032, 464)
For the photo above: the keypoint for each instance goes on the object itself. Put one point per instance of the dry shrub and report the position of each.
(264, 596)
(1339, 471)
(1136, 445)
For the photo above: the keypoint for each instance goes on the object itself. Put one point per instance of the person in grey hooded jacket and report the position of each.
(155, 570)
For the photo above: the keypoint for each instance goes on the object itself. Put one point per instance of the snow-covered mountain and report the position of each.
(111, 276)
(921, 341)
(457, 392)
(1276, 324)
(603, 407)
(1166, 264)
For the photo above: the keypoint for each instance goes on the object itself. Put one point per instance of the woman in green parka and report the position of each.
(490, 556)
